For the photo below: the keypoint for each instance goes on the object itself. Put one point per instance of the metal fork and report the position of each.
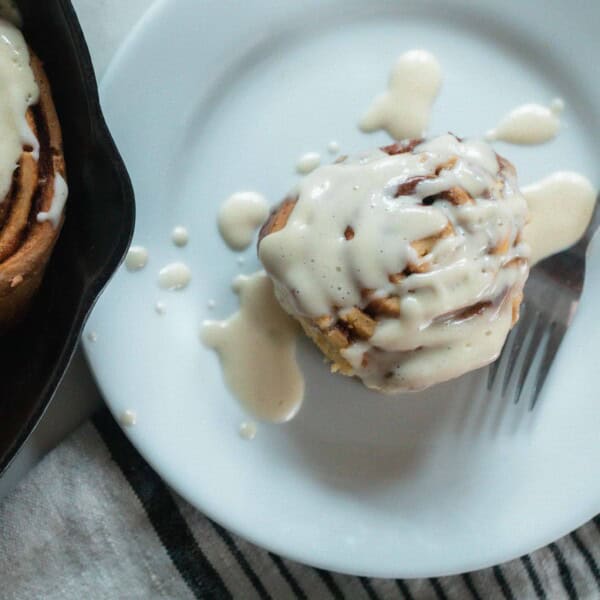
(551, 296)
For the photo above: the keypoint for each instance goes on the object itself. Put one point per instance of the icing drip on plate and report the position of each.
(403, 111)
(560, 207)
(239, 217)
(257, 350)
(529, 124)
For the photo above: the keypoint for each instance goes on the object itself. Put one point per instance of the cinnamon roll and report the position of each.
(33, 187)
(405, 265)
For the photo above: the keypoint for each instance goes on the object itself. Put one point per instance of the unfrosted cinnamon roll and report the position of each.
(33, 187)
(406, 265)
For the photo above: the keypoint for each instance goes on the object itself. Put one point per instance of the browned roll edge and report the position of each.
(29, 245)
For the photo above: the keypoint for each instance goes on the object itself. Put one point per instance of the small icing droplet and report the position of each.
(137, 258)
(160, 308)
(529, 124)
(248, 430)
(174, 276)
(92, 336)
(180, 236)
(211, 304)
(241, 260)
(308, 162)
(128, 418)
(333, 147)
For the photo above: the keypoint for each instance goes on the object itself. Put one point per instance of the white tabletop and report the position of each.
(105, 24)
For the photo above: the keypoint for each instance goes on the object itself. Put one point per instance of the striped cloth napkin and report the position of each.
(94, 521)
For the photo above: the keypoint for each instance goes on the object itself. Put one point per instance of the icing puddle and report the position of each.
(257, 350)
(240, 216)
(560, 210)
(403, 111)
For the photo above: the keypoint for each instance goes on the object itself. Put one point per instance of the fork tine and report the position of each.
(555, 337)
(514, 336)
(493, 370)
(541, 325)
(523, 327)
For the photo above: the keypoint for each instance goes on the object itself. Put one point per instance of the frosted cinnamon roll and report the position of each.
(33, 187)
(406, 265)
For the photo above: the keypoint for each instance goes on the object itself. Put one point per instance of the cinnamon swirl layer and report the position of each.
(31, 212)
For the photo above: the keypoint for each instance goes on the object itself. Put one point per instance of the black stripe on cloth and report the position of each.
(587, 556)
(504, 586)
(533, 577)
(437, 587)
(368, 588)
(563, 571)
(241, 559)
(404, 589)
(597, 522)
(287, 575)
(330, 583)
(471, 586)
(171, 528)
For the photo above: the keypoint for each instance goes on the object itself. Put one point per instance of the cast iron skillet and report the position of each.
(99, 223)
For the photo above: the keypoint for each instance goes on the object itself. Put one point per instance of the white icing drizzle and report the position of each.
(19, 92)
(248, 430)
(308, 162)
(315, 267)
(180, 236)
(59, 199)
(128, 418)
(529, 124)
(403, 111)
(257, 350)
(240, 216)
(160, 308)
(175, 276)
(136, 259)
(333, 147)
(560, 207)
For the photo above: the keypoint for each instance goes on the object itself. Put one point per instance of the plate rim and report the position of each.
(282, 549)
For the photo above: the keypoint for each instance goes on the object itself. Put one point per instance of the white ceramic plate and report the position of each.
(207, 98)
